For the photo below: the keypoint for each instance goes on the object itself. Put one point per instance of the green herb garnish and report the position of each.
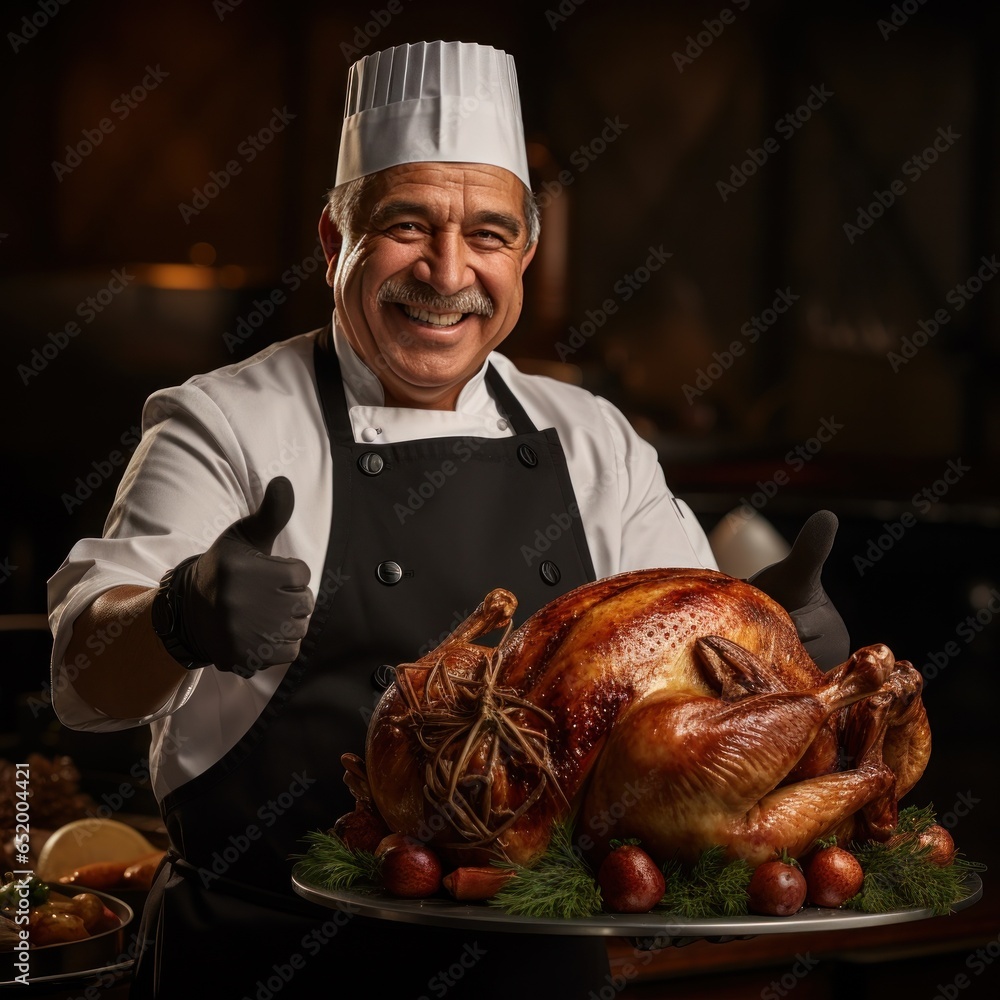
(330, 864)
(558, 884)
(13, 890)
(712, 887)
(898, 873)
(900, 876)
(915, 819)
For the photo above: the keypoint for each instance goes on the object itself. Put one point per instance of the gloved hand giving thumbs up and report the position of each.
(795, 584)
(236, 606)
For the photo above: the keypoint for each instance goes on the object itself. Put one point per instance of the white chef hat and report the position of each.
(451, 102)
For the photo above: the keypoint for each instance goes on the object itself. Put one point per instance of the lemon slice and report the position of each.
(85, 841)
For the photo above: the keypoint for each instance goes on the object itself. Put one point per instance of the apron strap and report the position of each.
(508, 403)
(258, 896)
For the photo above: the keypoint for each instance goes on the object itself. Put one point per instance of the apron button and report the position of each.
(549, 572)
(383, 676)
(389, 572)
(371, 463)
(526, 455)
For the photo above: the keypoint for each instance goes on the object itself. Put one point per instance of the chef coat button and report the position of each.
(383, 676)
(389, 572)
(502, 424)
(370, 433)
(549, 572)
(526, 455)
(370, 463)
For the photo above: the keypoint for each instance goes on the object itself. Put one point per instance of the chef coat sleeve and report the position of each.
(658, 529)
(186, 482)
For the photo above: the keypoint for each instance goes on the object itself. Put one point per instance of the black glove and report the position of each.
(236, 606)
(794, 583)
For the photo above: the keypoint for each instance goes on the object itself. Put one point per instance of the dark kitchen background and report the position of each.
(825, 331)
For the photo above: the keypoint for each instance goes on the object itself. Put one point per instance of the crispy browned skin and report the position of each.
(677, 706)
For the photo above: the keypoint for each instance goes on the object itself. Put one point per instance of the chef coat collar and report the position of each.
(362, 387)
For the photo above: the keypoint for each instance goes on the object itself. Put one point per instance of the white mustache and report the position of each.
(415, 293)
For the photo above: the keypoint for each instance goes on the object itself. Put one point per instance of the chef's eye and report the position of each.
(488, 237)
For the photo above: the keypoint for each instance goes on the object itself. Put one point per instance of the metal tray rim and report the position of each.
(445, 913)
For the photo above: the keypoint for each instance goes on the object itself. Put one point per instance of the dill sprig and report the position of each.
(330, 864)
(916, 819)
(711, 887)
(558, 884)
(900, 876)
(899, 873)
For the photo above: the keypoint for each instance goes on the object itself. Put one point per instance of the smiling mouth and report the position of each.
(432, 318)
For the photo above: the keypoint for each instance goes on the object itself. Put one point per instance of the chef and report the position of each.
(293, 525)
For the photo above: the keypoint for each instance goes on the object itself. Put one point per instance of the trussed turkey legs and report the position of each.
(674, 705)
(711, 774)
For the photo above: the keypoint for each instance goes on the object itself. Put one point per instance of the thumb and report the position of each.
(793, 581)
(260, 529)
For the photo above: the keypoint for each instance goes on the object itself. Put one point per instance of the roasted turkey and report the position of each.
(675, 706)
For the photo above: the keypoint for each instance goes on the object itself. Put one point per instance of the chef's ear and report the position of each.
(528, 254)
(330, 237)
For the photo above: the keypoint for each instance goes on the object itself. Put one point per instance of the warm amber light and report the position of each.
(203, 254)
(177, 276)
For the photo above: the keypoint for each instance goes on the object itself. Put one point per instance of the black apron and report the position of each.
(421, 532)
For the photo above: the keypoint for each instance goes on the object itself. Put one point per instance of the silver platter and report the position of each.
(659, 927)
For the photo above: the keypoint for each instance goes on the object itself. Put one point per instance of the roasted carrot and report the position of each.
(139, 874)
(97, 875)
(472, 882)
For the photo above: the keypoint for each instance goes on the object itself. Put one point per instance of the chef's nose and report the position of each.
(445, 265)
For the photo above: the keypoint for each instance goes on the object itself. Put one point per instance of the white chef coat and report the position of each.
(211, 445)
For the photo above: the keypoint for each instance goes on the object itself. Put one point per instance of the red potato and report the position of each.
(392, 841)
(833, 876)
(55, 927)
(940, 842)
(411, 871)
(361, 830)
(630, 880)
(89, 909)
(777, 889)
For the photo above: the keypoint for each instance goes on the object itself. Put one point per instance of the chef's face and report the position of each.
(430, 282)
